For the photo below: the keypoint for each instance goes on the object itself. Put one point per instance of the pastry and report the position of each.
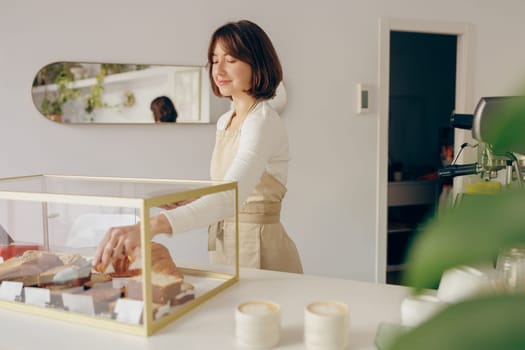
(164, 287)
(50, 276)
(161, 260)
(187, 293)
(27, 267)
(102, 296)
(97, 278)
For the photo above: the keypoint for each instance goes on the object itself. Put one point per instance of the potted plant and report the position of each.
(94, 98)
(53, 103)
(473, 232)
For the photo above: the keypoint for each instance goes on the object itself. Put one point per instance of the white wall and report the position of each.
(326, 48)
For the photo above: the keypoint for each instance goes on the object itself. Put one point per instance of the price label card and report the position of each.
(79, 303)
(129, 310)
(37, 296)
(11, 290)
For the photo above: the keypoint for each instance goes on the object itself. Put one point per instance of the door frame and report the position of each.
(463, 104)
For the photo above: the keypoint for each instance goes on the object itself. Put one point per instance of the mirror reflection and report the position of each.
(79, 92)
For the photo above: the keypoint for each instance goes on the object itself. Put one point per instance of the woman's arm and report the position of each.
(261, 135)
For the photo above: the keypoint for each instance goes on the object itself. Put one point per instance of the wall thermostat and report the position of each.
(363, 98)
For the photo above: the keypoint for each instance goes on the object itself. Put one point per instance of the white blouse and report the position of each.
(263, 145)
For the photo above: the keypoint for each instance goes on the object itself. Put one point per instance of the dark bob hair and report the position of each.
(163, 110)
(247, 42)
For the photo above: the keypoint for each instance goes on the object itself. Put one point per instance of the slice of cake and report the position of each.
(187, 293)
(164, 287)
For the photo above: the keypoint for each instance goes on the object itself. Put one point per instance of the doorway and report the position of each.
(420, 139)
(423, 77)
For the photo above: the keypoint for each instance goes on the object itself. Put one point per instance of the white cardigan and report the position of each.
(263, 145)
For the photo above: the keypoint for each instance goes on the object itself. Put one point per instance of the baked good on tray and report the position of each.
(162, 262)
(41, 268)
(27, 267)
(186, 293)
(164, 287)
(103, 295)
(128, 266)
(60, 272)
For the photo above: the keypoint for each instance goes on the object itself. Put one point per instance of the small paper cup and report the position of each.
(326, 325)
(258, 324)
(419, 308)
(461, 283)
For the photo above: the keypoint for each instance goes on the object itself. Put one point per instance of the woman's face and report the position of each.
(232, 76)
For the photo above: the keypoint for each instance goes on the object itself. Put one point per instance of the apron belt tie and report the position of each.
(260, 213)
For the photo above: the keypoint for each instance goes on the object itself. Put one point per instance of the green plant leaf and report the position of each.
(473, 232)
(491, 322)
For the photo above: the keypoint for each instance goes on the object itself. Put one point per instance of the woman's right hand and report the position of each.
(118, 243)
(125, 241)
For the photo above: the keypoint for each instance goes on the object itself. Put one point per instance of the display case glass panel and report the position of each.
(50, 227)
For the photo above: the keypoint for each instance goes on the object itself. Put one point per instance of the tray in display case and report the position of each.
(50, 227)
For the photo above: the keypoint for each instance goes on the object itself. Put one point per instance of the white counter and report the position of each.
(211, 325)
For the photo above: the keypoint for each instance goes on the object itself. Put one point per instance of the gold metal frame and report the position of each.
(148, 326)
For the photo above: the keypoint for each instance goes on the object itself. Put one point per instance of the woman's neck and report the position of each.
(243, 106)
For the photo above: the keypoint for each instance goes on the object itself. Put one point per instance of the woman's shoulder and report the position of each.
(264, 114)
(265, 125)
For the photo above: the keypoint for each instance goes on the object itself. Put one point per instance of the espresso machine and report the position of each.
(489, 162)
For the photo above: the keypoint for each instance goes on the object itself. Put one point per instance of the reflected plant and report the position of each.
(94, 99)
(129, 99)
(50, 73)
(113, 68)
(53, 103)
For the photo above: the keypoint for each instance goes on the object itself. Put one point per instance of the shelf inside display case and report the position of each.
(61, 220)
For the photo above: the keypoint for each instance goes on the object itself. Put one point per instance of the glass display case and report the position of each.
(51, 225)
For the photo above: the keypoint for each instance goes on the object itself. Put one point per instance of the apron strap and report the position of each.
(215, 232)
(260, 213)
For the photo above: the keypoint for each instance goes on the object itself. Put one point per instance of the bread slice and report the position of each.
(187, 293)
(46, 277)
(161, 260)
(27, 267)
(164, 287)
(97, 278)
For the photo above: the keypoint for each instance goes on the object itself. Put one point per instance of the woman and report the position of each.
(251, 148)
(163, 110)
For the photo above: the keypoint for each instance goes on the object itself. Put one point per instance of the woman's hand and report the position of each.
(118, 243)
(124, 241)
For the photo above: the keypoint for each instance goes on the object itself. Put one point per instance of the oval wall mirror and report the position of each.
(80, 92)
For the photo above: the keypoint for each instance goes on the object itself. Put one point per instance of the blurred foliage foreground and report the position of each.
(471, 233)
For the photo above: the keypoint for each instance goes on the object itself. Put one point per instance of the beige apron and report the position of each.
(263, 242)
